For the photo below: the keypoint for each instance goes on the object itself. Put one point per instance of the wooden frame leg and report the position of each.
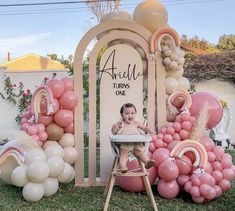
(115, 161)
(110, 189)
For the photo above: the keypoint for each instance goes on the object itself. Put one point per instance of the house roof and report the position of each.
(31, 62)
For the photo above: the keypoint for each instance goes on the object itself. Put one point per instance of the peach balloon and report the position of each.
(54, 131)
(151, 14)
(63, 117)
(70, 155)
(67, 140)
(68, 100)
(68, 83)
(48, 143)
(69, 129)
(56, 86)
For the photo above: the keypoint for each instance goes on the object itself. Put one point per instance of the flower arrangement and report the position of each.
(18, 95)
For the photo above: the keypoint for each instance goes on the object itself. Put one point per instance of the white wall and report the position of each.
(223, 90)
(30, 80)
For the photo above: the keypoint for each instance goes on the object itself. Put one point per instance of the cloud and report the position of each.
(11, 44)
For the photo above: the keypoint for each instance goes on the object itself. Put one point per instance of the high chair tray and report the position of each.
(130, 138)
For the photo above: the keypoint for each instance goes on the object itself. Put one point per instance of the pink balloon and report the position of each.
(169, 189)
(160, 136)
(184, 165)
(226, 163)
(68, 83)
(208, 168)
(195, 179)
(182, 179)
(216, 165)
(195, 191)
(218, 191)
(55, 106)
(207, 179)
(224, 184)
(218, 176)
(35, 137)
(63, 117)
(69, 129)
(185, 117)
(44, 119)
(152, 147)
(215, 109)
(158, 143)
(170, 130)
(228, 174)
(171, 145)
(135, 184)
(28, 114)
(163, 130)
(168, 171)
(161, 155)
(68, 100)
(56, 86)
(226, 155)
(42, 136)
(211, 194)
(211, 156)
(187, 125)
(24, 120)
(167, 138)
(188, 186)
(204, 189)
(184, 134)
(32, 130)
(179, 119)
(207, 142)
(198, 200)
(177, 126)
(40, 127)
(25, 126)
(219, 152)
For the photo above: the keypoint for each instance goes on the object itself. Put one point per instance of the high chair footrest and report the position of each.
(137, 174)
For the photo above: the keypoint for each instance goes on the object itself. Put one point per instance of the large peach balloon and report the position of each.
(151, 14)
(68, 83)
(54, 131)
(68, 100)
(215, 109)
(63, 117)
(56, 86)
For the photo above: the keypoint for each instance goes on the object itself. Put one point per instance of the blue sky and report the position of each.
(59, 28)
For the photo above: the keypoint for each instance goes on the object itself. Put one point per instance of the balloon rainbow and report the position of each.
(191, 146)
(155, 42)
(43, 91)
(187, 101)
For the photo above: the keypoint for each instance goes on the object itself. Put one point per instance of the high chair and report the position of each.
(114, 139)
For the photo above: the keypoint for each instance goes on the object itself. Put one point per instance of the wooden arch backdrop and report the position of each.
(118, 29)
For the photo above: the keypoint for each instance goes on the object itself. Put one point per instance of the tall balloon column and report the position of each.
(49, 122)
(185, 158)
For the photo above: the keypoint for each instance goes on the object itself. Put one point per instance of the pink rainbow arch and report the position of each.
(191, 146)
(155, 42)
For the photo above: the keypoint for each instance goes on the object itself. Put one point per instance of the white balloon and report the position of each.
(184, 84)
(174, 56)
(48, 143)
(171, 85)
(180, 61)
(173, 65)
(67, 175)
(33, 191)
(51, 186)
(56, 166)
(38, 171)
(167, 53)
(175, 74)
(34, 155)
(166, 61)
(70, 155)
(54, 150)
(67, 140)
(19, 177)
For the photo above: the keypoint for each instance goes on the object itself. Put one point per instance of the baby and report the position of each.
(128, 126)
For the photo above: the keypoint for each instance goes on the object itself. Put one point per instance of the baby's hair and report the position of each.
(127, 105)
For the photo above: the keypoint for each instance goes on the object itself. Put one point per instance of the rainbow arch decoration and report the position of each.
(43, 91)
(155, 42)
(191, 146)
(187, 101)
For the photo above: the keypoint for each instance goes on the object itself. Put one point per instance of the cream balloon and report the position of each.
(56, 166)
(171, 85)
(184, 84)
(34, 155)
(70, 155)
(54, 150)
(67, 174)
(33, 191)
(51, 186)
(151, 14)
(67, 140)
(19, 177)
(38, 171)
(48, 143)
(175, 74)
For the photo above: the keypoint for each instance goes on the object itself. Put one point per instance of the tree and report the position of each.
(226, 42)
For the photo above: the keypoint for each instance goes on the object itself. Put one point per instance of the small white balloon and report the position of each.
(48, 143)
(184, 84)
(167, 53)
(33, 191)
(171, 85)
(67, 140)
(175, 74)
(67, 174)
(54, 150)
(173, 65)
(70, 155)
(35, 155)
(174, 56)
(51, 186)
(38, 171)
(181, 61)
(19, 176)
(166, 61)
(56, 166)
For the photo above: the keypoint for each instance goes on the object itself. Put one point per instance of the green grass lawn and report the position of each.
(69, 197)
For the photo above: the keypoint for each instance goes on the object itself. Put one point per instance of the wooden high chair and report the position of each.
(114, 139)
